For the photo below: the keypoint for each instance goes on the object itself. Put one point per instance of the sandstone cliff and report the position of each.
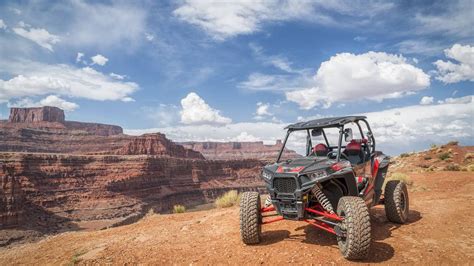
(36, 114)
(240, 150)
(157, 144)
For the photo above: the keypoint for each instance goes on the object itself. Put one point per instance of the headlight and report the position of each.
(318, 174)
(266, 175)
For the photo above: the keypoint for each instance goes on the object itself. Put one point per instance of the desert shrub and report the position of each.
(427, 157)
(403, 155)
(468, 156)
(443, 156)
(228, 199)
(470, 168)
(402, 177)
(179, 208)
(433, 146)
(453, 143)
(452, 167)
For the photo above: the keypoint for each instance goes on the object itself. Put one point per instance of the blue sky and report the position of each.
(242, 70)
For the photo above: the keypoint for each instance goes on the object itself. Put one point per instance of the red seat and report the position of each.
(354, 151)
(320, 150)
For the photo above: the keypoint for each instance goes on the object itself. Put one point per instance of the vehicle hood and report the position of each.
(300, 165)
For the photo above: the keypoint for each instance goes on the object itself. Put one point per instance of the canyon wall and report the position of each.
(240, 150)
(114, 187)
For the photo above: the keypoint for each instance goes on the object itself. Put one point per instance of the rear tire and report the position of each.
(397, 204)
(250, 218)
(356, 224)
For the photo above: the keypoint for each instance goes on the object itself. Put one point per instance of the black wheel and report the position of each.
(355, 244)
(250, 218)
(397, 204)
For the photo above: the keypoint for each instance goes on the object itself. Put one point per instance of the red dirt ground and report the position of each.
(440, 231)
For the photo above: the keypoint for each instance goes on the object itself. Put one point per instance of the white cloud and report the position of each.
(349, 77)
(426, 100)
(51, 100)
(196, 111)
(222, 20)
(262, 111)
(35, 79)
(3, 26)
(278, 82)
(99, 59)
(38, 35)
(117, 76)
(460, 100)
(163, 115)
(396, 130)
(277, 61)
(450, 72)
(415, 127)
(79, 57)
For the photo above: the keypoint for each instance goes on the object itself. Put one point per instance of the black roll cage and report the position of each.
(371, 139)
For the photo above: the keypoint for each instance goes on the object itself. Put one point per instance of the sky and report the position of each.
(243, 70)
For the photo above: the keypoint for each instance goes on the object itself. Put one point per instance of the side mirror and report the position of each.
(316, 132)
(348, 134)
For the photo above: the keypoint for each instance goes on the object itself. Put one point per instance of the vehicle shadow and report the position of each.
(381, 230)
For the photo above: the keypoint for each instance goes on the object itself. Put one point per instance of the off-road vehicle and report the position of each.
(331, 188)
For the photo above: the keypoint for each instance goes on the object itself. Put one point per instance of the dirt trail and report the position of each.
(440, 231)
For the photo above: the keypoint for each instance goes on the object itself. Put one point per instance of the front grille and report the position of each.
(284, 185)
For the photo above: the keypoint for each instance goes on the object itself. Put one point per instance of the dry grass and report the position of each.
(443, 156)
(179, 209)
(229, 199)
(400, 176)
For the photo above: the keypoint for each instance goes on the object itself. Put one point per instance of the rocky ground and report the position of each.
(439, 231)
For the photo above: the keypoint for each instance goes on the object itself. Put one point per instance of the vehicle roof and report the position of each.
(325, 122)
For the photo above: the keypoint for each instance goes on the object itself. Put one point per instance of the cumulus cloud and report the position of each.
(227, 19)
(99, 60)
(3, 26)
(463, 69)
(38, 35)
(35, 79)
(196, 111)
(51, 100)
(396, 130)
(426, 100)
(348, 77)
(262, 111)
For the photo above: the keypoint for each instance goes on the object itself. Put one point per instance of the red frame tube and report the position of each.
(321, 225)
(267, 209)
(273, 220)
(325, 214)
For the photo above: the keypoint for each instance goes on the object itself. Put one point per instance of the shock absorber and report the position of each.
(323, 200)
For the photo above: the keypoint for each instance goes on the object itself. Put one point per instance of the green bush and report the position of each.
(403, 155)
(443, 156)
(229, 199)
(433, 146)
(453, 143)
(179, 209)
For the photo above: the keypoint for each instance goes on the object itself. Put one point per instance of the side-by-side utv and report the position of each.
(331, 188)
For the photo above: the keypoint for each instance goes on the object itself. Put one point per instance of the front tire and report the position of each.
(355, 245)
(250, 218)
(397, 204)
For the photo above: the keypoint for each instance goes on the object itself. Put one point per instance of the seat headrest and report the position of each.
(320, 150)
(353, 148)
